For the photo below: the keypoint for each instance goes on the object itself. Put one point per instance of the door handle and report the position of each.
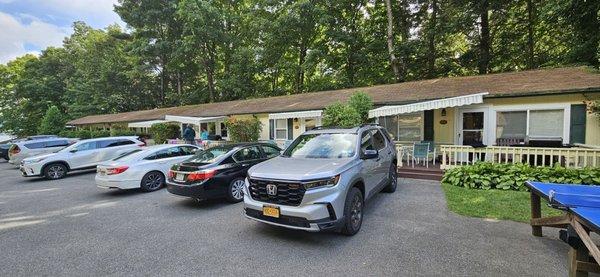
(244, 165)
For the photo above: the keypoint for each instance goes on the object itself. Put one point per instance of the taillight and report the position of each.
(201, 175)
(116, 170)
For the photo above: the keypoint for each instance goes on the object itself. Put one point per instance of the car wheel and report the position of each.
(353, 212)
(235, 193)
(55, 171)
(393, 180)
(152, 181)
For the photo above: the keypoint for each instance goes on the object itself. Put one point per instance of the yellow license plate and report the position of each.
(271, 211)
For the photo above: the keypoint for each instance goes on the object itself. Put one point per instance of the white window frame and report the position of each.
(277, 128)
(566, 107)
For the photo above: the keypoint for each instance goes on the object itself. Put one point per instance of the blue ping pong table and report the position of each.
(582, 216)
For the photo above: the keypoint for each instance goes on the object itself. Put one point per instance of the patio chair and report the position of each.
(420, 153)
(431, 150)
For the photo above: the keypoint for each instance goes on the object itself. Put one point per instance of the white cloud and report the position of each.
(15, 35)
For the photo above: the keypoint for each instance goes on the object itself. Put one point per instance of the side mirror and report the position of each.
(370, 154)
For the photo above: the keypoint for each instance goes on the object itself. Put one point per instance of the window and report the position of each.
(188, 150)
(86, 146)
(511, 125)
(378, 139)
(209, 155)
(128, 155)
(546, 123)
(270, 151)
(404, 127)
(517, 125)
(114, 143)
(281, 131)
(36, 145)
(165, 153)
(57, 143)
(247, 154)
(323, 146)
(365, 142)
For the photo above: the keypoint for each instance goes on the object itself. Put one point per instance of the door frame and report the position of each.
(487, 127)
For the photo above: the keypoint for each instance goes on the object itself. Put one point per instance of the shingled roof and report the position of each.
(533, 82)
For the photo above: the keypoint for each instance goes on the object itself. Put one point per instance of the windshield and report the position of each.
(322, 146)
(209, 155)
(127, 156)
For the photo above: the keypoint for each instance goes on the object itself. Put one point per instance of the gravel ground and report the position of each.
(70, 227)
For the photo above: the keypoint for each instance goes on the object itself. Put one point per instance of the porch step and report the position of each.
(420, 173)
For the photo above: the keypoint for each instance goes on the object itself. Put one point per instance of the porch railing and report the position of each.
(457, 155)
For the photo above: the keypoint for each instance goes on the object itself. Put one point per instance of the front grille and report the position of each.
(289, 194)
(283, 219)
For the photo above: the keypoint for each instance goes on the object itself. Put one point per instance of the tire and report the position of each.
(152, 181)
(55, 171)
(353, 212)
(235, 190)
(393, 180)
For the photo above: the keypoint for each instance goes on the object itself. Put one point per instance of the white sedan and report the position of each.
(143, 168)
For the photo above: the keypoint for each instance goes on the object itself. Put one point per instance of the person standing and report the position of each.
(204, 134)
(189, 135)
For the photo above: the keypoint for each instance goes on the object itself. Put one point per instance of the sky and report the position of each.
(29, 26)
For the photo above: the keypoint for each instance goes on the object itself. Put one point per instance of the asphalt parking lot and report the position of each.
(71, 227)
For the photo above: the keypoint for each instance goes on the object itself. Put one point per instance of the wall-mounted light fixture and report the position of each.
(443, 112)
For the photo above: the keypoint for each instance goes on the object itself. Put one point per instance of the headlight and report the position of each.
(329, 182)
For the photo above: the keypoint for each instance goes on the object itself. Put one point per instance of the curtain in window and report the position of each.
(511, 125)
(547, 123)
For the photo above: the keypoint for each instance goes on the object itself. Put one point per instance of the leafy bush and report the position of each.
(513, 176)
(161, 132)
(53, 122)
(362, 104)
(243, 130)
(121, 131)
(355, 113)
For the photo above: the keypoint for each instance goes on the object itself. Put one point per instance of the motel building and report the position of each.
(539, 117)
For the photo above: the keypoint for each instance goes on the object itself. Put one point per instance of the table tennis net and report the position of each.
(572, 200)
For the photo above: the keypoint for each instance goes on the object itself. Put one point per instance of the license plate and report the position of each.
(180, 177)
(271, 211)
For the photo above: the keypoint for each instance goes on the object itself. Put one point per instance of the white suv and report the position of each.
(30, 148)
(85, 154)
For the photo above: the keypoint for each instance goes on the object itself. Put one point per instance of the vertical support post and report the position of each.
(536, 212)
(575, 255)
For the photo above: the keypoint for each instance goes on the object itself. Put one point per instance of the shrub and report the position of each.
(355, 113)
(161, 132)
(53, 122)
(362, 104)
(121, 131)
(243, 130)
(513, 176)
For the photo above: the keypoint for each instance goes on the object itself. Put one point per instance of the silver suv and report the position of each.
(322, 180)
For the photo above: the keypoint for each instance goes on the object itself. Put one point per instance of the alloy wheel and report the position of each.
(356, 212)
(153, 181)
(56, 171)
(237, 189)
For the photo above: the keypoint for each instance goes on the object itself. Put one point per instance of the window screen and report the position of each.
(547, 123)
(511, 124)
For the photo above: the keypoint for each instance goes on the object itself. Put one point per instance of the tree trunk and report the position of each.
(390, 41)
(300, 72)
(432, 30)
(484, 43)
(531, 63)
(209, 62)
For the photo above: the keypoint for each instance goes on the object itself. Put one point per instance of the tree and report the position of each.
(53, 122)
(390, 41)
(355, 113)
(161, 132)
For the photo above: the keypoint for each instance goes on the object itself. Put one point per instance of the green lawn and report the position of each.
(496, 204)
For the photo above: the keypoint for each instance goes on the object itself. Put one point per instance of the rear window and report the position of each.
(127, 155)
(209, 155)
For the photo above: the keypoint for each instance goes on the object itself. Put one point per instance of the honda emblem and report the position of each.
(271, 189)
